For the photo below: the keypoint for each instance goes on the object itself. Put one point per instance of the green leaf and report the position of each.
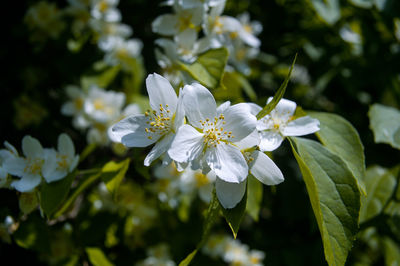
(385, 124)
(341, 138)
(254, 197)
(334, 196)
(209, 67)
(28, 201)
(211, 218)
(113, 173)
(102, 80)
(235, 215)
(234, 81)
(53, 194)
(97, 257)
(278, 95)
(328, 10)
(379, 183)
(391, 252)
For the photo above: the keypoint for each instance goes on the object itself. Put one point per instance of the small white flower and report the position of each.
(106, 10)
(74, 107)
(5, 154)
(208, 141)
(236, 252)
(255, 258)
(155, 126)
(103, 106)
(194, 180)
(249, 29)
(28, 168)
(275, 126)
(120, 50)
(61, 162)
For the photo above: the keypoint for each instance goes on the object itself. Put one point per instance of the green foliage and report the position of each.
(342, 139)
(113, 174)
(278, 95)
(53, 194)
(235, 215)
(392, 252)
(97, 257)
(334, 196)
(102, 80)
(254, 197)
(28, 202)
(209, 67)
(385, 123)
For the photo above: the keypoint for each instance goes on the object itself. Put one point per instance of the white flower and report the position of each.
(208, 141)
(28, 168)
(5, 154)
(278, 124)
(249, 29)
(74, 107)
(106, 10)
(240, 54)
(236, 252)
(172, 24)
(120, 50)
(103, 106)
(194, 180)
(157, 125)
(256, 257)
(59, 163)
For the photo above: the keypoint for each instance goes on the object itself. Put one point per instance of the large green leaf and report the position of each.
(278, 95)
(385, 123)
(379, 184)
(211, 217)
(334, 196)
(53, 194)
(97, 257)
(113, 173)
(209, 67)
(235, 215)
(341, 138)
(254, 197)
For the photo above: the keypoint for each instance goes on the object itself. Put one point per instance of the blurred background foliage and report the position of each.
(349, 58)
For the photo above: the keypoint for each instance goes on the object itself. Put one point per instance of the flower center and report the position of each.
(214, 132)
(185, 22)
(247, 156)
(62, 161)
(159, 121)
(201, 180)
(103, 6)
(34, 166)
(248, 28)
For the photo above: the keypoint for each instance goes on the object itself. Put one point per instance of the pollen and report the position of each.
(159, 121)
(214, 132)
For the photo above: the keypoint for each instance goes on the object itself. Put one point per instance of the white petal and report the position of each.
(68, 109)
(56, 175)
(161, 147)
(240, 121)
(74, 163)
(160, 92)
(229, 194)
(180, 112)
(250, 141)
(131, 132)
(65, 145)
(31, 147)
(165, 24)
(284, 109)
(131, 109)
(27, 183)
(270, 140)
(249, 39)
(186, 39)
(199, 104)
(264, 169)
(15, 166)
(301, 126)
(187, 145)
(227, 162)
(11, 148)
(222, 107)
(254, 108)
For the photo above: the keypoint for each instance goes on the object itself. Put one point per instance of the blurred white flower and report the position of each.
(106, 10)
(5, 154)
(121, 50)
(74, 107)
(280, 123)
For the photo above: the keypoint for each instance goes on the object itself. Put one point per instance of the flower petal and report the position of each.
(229, 194)
(165, 24)
(161, 147)
(187, 145)
(250, 141)
(199, 104)
(27, 183)
(264, 169)
(31, 147)
(222, 107)
(180, 112)
(227, 162)
(131, 131)
(15, 166)
(270, 140)
(65, 145)
(239, 121)
(160, 92)
(301, 126)
(284, 109)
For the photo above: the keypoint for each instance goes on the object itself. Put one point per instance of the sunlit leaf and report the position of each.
(97, 257)
(254, 197)
(278, 95)
(188, 259)
(209, 67)
(334, 196)
(113, 173)
(341, 138)
(385, 123)
(235, 215)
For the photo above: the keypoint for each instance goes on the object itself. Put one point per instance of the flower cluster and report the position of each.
(96, 110)
(232, 251)
(191, 19)
(228, 141)
(37, 163)
(158, 255)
